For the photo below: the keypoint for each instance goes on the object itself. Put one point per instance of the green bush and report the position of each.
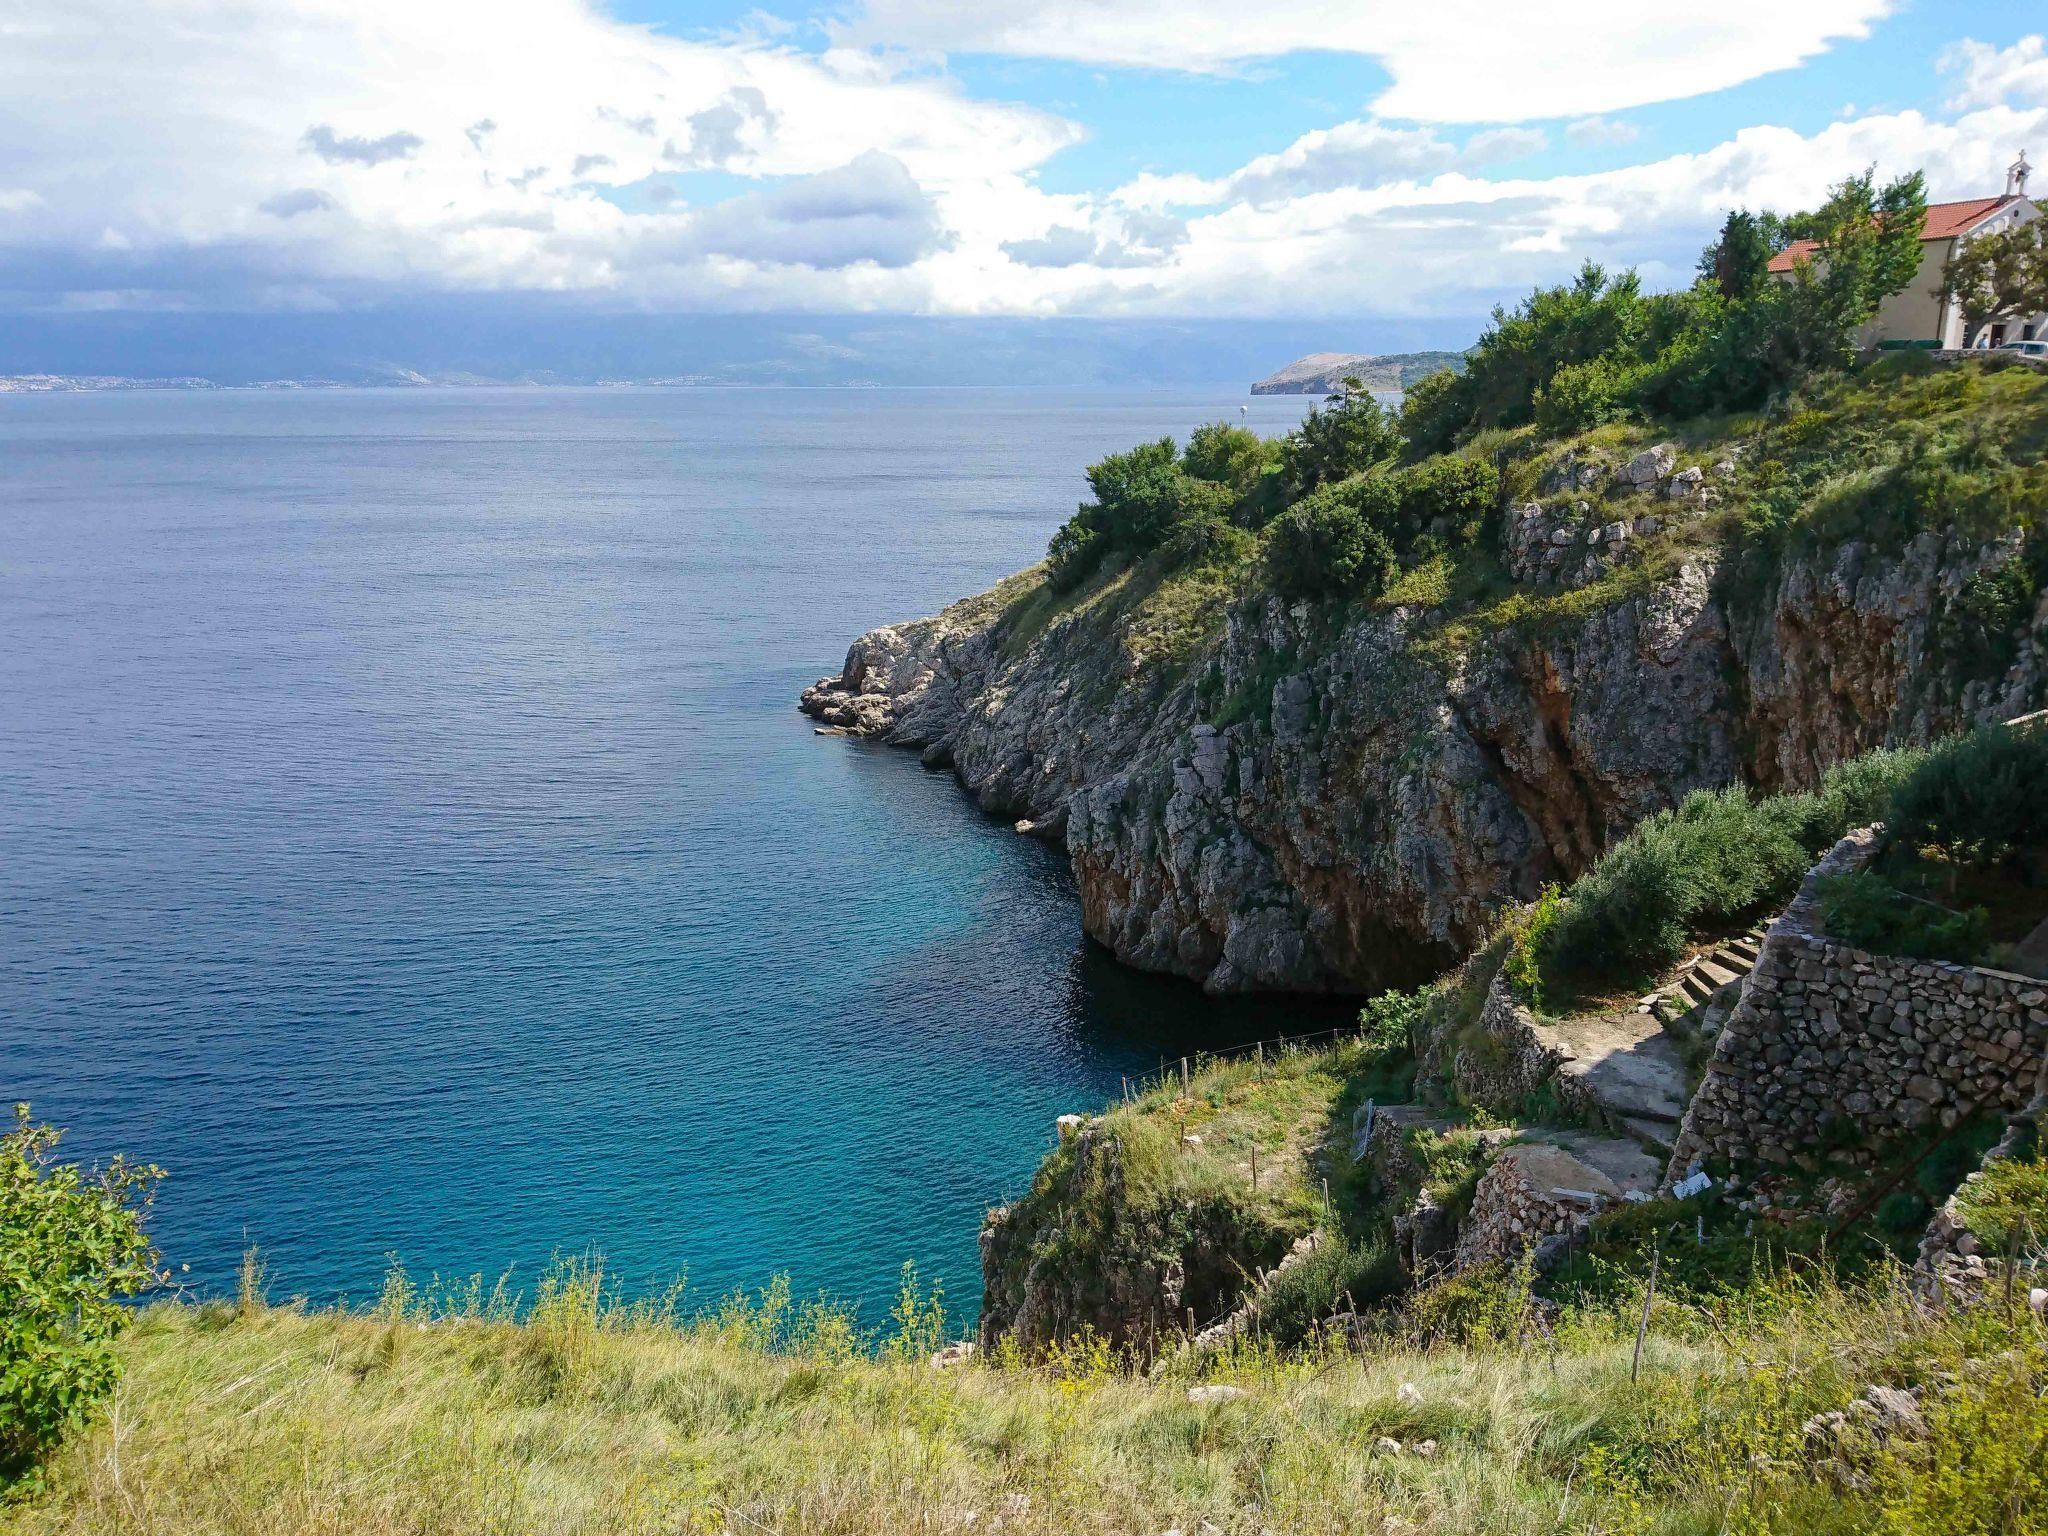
(1387, 1023)
(1979, 797)
(1205, 538)
(1852, 794)
(1864, 910)
(1072, 556)
(1347, 436)
(71, 1244)
(1533, 937)
(1432, 413)
(1443, 504)
(1717, 858)
(1227, 455)
(2008, 1202)
(1329, 544)
(1340, 1274)
(1583, 395)
(1721, 857)
(1628, 914)
(1142, 497)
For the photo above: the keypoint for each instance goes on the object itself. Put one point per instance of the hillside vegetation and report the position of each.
(271, 1422)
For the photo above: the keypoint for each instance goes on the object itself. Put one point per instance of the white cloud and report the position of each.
(340, 149)
(1452, 61)
(1596, 132)
(320, 152)
(468, 144)
(1986, 76)
(1454, 241)
(1355, 154)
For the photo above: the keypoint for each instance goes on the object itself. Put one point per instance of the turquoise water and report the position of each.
(409, 840)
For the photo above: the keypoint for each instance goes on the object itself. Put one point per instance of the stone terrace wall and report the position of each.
(1531, 1194)
(1825, 1032)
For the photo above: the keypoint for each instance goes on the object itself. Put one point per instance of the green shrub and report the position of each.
(1978, 797)
(1349, 434)
(71, 1244)
(1583, 395)
(1864, 910)
(1072, 556)
(1141, 497)
(1329, 545)
(2008, 1202)
(1387, 1023)
(1228, 455)
(1628, 914)
(1443, 504)
(1984, 621)
(1340, 1274)
(1432, 413)
(1716, 860)
(1532, 939)
(1486, 1305)
(1852, 794)
(1206, 538)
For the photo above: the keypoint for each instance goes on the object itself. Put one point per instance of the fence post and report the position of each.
(1649, 1295)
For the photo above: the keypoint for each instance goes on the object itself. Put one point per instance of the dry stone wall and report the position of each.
(1832, 1045)
(1531, 1193)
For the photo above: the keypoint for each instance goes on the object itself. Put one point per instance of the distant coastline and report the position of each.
(1322, 373)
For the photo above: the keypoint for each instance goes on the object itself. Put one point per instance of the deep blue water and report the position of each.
(408, 839)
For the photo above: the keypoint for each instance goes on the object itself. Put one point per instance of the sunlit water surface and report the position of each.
(407, 837)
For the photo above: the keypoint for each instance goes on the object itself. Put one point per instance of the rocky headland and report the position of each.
(1311, 797)
(1322, 373)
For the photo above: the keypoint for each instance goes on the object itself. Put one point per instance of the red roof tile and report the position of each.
(1944, 222)
(1793, 254)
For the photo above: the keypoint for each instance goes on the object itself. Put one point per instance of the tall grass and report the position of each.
(601, 1416)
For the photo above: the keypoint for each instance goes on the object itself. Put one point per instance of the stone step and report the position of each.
(1717, 973)
(1627, 1063)
(1657, 1136)
(1694, 989)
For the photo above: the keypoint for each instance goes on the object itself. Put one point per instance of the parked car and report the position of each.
(2027, 348)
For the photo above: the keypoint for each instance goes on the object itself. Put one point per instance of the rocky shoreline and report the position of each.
(1341, 801)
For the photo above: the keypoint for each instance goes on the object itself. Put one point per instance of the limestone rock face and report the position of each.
(1324, 801)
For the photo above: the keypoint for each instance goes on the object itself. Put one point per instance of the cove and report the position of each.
(410, 841)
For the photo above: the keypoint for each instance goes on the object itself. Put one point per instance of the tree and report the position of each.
(71, 1244)
(1227, 455)
(1738, 351)
(1592, 316)
(1330, 543)
(1739, 261)
(1996, 276)
(1349, 435)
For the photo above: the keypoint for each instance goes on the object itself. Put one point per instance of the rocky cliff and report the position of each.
(1340, 796)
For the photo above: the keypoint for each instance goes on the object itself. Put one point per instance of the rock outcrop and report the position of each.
(1339, 799)
(1086, 1252)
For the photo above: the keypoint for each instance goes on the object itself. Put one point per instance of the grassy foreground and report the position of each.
(275, 1422)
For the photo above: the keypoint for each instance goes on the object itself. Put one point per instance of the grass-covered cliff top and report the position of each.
(273, 1422)
(1877, 453)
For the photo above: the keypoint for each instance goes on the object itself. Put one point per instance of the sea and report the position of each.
(409, 841)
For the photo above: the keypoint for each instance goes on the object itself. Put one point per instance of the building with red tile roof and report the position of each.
(1919, 315)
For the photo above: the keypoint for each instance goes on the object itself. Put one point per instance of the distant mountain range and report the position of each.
(1321, 373)
(479, 342)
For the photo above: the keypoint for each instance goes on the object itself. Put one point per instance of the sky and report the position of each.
(1416, 162)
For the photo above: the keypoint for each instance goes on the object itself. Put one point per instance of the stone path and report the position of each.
(1633, 1065)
